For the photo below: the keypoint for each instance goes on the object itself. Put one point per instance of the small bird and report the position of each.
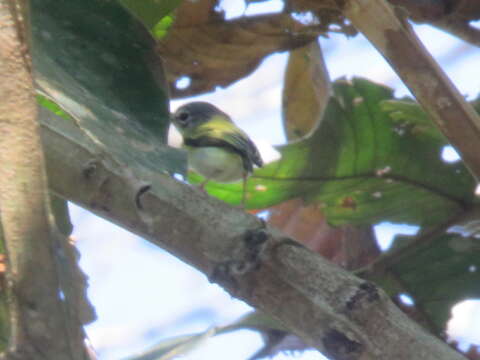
(217, 148)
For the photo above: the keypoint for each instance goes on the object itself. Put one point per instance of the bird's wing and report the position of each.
(220, 132)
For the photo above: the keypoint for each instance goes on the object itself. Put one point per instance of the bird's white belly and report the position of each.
(216, 164)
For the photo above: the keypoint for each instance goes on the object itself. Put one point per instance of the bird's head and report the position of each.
(190, 116)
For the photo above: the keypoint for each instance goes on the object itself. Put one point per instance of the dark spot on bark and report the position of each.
(222, 275)
(256, 237)
(246, 258)
(255, 244)
(139, 194)
(89, 169)
(340, 347)
(366, 292)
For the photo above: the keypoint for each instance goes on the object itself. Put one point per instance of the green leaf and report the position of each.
(362, 166)
(98, 64)
(160, 30)
(53, 107)
(437, 274)
(152, 13)
(408, 116)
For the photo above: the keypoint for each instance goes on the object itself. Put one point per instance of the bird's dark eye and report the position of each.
(183, 117)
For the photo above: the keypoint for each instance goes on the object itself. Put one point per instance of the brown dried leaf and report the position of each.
(328, 14)
(214, 52)
(431, 11)
(466, 9)
(191, 13)
(305, 92)
(453, 17)
(349, 246)
(422, 11)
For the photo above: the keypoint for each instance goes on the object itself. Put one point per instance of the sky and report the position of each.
(142, 294)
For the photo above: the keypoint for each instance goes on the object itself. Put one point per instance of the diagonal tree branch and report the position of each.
(38, 326)
(332, 310)
(396, 41)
